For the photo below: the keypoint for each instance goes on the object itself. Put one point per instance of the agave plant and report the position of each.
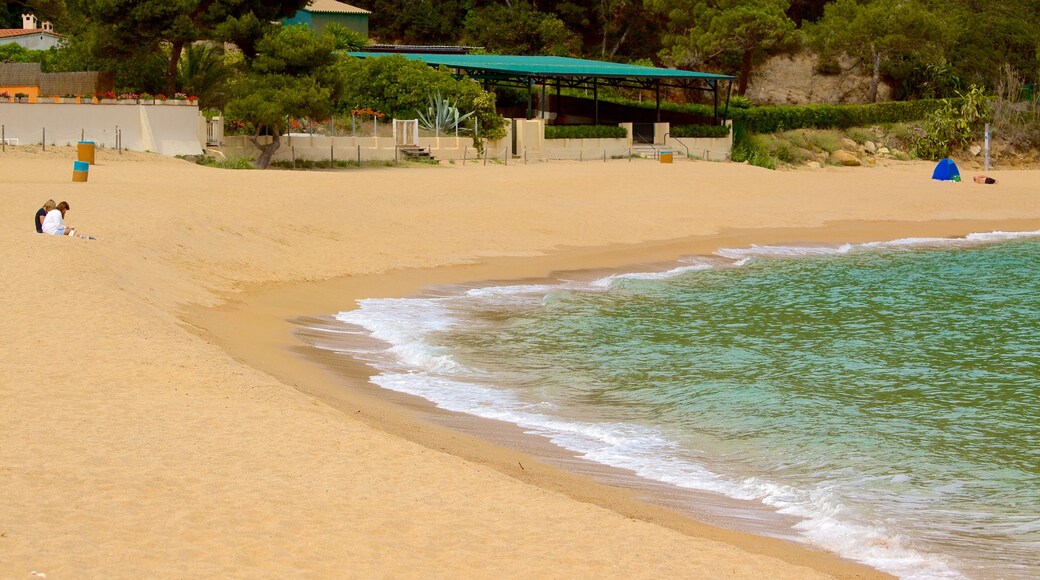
(442, 115)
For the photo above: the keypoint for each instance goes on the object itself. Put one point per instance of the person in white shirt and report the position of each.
(54, 223)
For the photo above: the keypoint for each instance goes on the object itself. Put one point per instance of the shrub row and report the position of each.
(777, 119)
(774, 119)
(700, 131)
(584, 132)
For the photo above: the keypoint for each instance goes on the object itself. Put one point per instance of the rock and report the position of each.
(845, 158)
(900, 155)
(848, 144)
(883, 151)
(975, 150)
(869, 147)
(813, 164)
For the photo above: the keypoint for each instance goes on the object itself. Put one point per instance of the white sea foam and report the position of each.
(411, 364)
(609, 281)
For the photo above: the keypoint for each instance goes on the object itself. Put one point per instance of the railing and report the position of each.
(669, 134)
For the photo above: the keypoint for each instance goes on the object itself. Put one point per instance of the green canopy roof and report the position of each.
(550, 67)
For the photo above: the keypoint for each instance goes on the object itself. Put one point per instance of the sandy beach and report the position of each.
(159, 419)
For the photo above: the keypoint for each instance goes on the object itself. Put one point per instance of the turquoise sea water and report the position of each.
(885, 395)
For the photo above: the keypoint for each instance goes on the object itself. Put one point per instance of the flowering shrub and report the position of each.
(127, 96)
(367, 112)
(5, 95)
(180, 97)
(106, 95)
(160, 97)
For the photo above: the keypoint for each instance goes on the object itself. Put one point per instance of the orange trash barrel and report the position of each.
(80, 170)
(85, 152)
(666, 156)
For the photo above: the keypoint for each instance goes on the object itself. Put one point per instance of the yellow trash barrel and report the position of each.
(85, 152)
(666, 156)
(80, 170)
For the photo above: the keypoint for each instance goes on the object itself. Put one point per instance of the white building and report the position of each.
(31, 37)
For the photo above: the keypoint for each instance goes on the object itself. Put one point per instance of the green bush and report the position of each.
(700, 131)
(584, 132)
(776, 119)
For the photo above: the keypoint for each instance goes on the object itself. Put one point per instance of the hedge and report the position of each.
(585, 132)
(700, 131)
(774, 119)
(777, 119)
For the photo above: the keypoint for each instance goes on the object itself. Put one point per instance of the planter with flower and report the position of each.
(21, 97)
(67, 99)
(106, 98)
(127, 98)
(5, 97)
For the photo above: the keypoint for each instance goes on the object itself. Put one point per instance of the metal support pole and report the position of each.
(44, 138)
(82, 133)
(293, 148)
(595, 99)
(987, 146)
(359, 155)
(541, 112)
(332, 156)
(657, 98)
(715, 92)
(3, 137)
(485, 156)
(559, 106)
(530, 97)
(464, 150)
(604, 156)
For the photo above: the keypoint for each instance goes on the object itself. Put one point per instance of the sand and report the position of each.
(157, 418)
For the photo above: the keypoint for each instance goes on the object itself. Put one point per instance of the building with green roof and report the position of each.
(320, 13)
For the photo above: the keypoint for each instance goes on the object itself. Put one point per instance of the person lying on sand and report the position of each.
(985, 179)
(54, 223)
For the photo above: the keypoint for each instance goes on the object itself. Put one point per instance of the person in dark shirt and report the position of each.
(985, 179)
(42, 213)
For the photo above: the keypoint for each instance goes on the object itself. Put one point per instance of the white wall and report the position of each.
(165, 129)
(38, 41)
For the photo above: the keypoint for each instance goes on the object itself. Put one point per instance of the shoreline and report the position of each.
(130, 431)
(345, 384)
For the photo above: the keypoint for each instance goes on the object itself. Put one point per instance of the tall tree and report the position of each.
(129, 27)
(875, 31)
(295, 73)
(519, 28)
(721, 33)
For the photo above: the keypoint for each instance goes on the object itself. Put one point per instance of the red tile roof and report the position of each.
(11, 32)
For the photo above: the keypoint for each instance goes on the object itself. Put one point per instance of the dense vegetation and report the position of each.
(925, 49)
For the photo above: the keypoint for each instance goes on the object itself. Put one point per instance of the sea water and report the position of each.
(885, 396)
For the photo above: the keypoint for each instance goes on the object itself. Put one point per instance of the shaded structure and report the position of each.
(527, 72)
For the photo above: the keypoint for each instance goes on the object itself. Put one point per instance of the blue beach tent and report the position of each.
(946, 170)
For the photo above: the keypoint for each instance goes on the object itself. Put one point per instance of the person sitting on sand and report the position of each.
(54, 223)
(42, 213)
(985, 179)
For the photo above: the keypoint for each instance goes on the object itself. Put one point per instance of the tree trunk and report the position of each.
(170, 86)
(266, 151)
(875, 78)
(745, 72)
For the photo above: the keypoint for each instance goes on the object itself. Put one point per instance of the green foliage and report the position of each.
(728, 34)
(442, 115)
(700, 131)
(205, 74)
(518, 28)
(584, 132)
(953, 125)
(230, 163)
(400, 88)
(345, 39)
(294, 74)
(774, 119)
(15, 53)
(876, 31)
